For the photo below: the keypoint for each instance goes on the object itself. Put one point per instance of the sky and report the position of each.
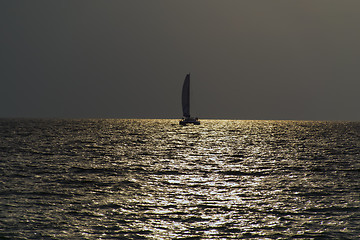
(248, 59)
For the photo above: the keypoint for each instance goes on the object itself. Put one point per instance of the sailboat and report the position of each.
(186, 104)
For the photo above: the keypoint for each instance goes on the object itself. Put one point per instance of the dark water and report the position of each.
(154, 179)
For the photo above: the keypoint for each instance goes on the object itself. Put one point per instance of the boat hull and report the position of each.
(189, 121)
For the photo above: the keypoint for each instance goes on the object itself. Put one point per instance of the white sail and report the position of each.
(186, 97)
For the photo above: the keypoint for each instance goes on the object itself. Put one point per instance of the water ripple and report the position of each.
(154, 179)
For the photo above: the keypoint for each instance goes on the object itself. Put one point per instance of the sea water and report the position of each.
(155, 179)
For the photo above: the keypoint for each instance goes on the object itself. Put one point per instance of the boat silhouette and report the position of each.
(187, 119)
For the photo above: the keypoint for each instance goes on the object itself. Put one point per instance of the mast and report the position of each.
(186, 97)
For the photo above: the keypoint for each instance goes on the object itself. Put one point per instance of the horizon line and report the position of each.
(202, 119)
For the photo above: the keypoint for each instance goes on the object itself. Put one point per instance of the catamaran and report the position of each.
(187, 119)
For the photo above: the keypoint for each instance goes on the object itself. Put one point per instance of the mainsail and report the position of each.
(186, 104)
(186, 97)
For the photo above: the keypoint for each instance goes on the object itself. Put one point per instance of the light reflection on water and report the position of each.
(154, 179)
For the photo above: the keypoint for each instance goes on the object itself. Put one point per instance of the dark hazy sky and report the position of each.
(254, 59)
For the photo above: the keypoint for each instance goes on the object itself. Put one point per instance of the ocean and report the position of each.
(155, 179)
